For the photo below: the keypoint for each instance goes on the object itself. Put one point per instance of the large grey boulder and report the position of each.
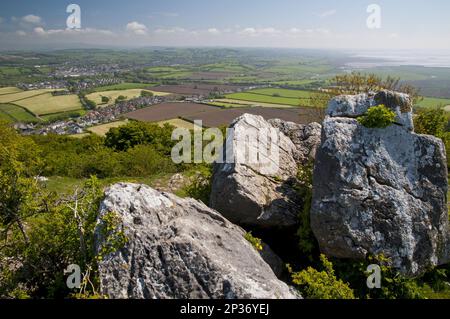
(306, 138)
(380, 191)
(179, 248)
(353, 106)
(250, 193)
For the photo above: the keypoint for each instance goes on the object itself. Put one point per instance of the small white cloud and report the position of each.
(248, 31)
(21, 33)
(39, 31)
(393, 36)
(327, 13)
(32, 19)
(136, 28)
(213, 31)
(170, 30)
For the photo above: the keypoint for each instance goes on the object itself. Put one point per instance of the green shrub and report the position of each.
(314, 284)
(256, 242)
(393, 284)
(431, 121)
(307, 242)
(200, 185)
(377, 117)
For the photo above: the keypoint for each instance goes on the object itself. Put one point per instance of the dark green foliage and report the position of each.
(324, 284)
(393, 285)
(136, 133)
(200, 184)
(431, 121)
(81, 158)
(307, 242)
(146, 93)
(377, 117)
(105, 99)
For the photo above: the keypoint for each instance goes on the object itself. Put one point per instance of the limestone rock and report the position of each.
(353, 106)
(179, 248)
(249, 193)
(306, 138)
(380, 191)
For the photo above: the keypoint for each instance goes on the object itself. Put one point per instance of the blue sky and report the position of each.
(267, 23)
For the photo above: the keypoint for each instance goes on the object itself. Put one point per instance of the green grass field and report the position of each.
(14, 113)
(104, 128)
(433, 102)
(48, 104)
(114, 94)
(274, 96)
(9, 90)
(13, 97)
(123, 86)
(63, 115)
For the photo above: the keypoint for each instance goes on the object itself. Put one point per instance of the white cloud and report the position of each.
(136, 28)
(269, 31)
(248, 31)
(327, 13)
(213, 31)
(170, 30)
(40, 31)
(32, 19)
(21, 33)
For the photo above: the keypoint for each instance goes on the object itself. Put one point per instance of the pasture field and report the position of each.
(179, 123)
(48, 104)
(9, 90)
(433, 102)
(102, 129)
(298, 94)
(123, 86)
(227, 104)
(263, 98)
(13, 97)
(14, 113)
(114, 94)
(242, 103)
(63, 115)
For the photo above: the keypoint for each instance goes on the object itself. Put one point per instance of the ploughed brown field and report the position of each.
(168, 111)
(211, 75)
(194, 89)
(212, 116)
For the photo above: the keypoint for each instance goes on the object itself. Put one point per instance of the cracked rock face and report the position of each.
(306, 138)
(180, 248)
(248, 193)
(380, 191)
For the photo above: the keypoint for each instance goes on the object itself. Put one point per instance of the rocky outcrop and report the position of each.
(306, 138)
(380, 191)
(179, 248)
(249, 193)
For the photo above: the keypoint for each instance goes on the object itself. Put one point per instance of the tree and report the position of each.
(145, 93)
(105, 99)
(135, 133)
(431, 121)
(19, 189)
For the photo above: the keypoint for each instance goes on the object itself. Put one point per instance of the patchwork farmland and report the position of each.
(195, 89)
(216, 116)
(112, 95)
(26, 106)
(273, 96)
